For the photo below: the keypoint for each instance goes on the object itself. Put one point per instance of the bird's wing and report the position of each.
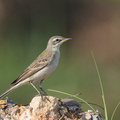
(42, 61)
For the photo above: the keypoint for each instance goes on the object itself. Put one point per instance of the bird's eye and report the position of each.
(58, 40)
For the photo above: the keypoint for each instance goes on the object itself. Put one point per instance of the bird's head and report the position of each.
(55, 42)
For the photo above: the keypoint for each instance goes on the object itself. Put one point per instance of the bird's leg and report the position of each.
(35, 88)
(41, 84)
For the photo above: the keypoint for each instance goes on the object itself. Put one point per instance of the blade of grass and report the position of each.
(101, 86)
(74, 97)
(115, 110)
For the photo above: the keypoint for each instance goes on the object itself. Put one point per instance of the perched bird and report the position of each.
(42, 67)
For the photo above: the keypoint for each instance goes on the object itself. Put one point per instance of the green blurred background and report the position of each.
(26, 26)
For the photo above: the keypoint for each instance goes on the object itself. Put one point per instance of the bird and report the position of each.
(41, 67)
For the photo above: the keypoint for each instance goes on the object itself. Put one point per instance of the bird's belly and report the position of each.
(44, 73)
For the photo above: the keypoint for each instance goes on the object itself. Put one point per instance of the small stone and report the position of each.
(87, 116)
(3, 104)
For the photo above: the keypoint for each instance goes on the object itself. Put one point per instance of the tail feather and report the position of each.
(7, 92)
(12, 88)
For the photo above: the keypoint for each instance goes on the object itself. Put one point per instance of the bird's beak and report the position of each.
(66, 39)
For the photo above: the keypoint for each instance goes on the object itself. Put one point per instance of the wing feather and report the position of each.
(43, 60)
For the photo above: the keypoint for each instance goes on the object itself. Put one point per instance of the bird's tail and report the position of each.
(8, 91)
